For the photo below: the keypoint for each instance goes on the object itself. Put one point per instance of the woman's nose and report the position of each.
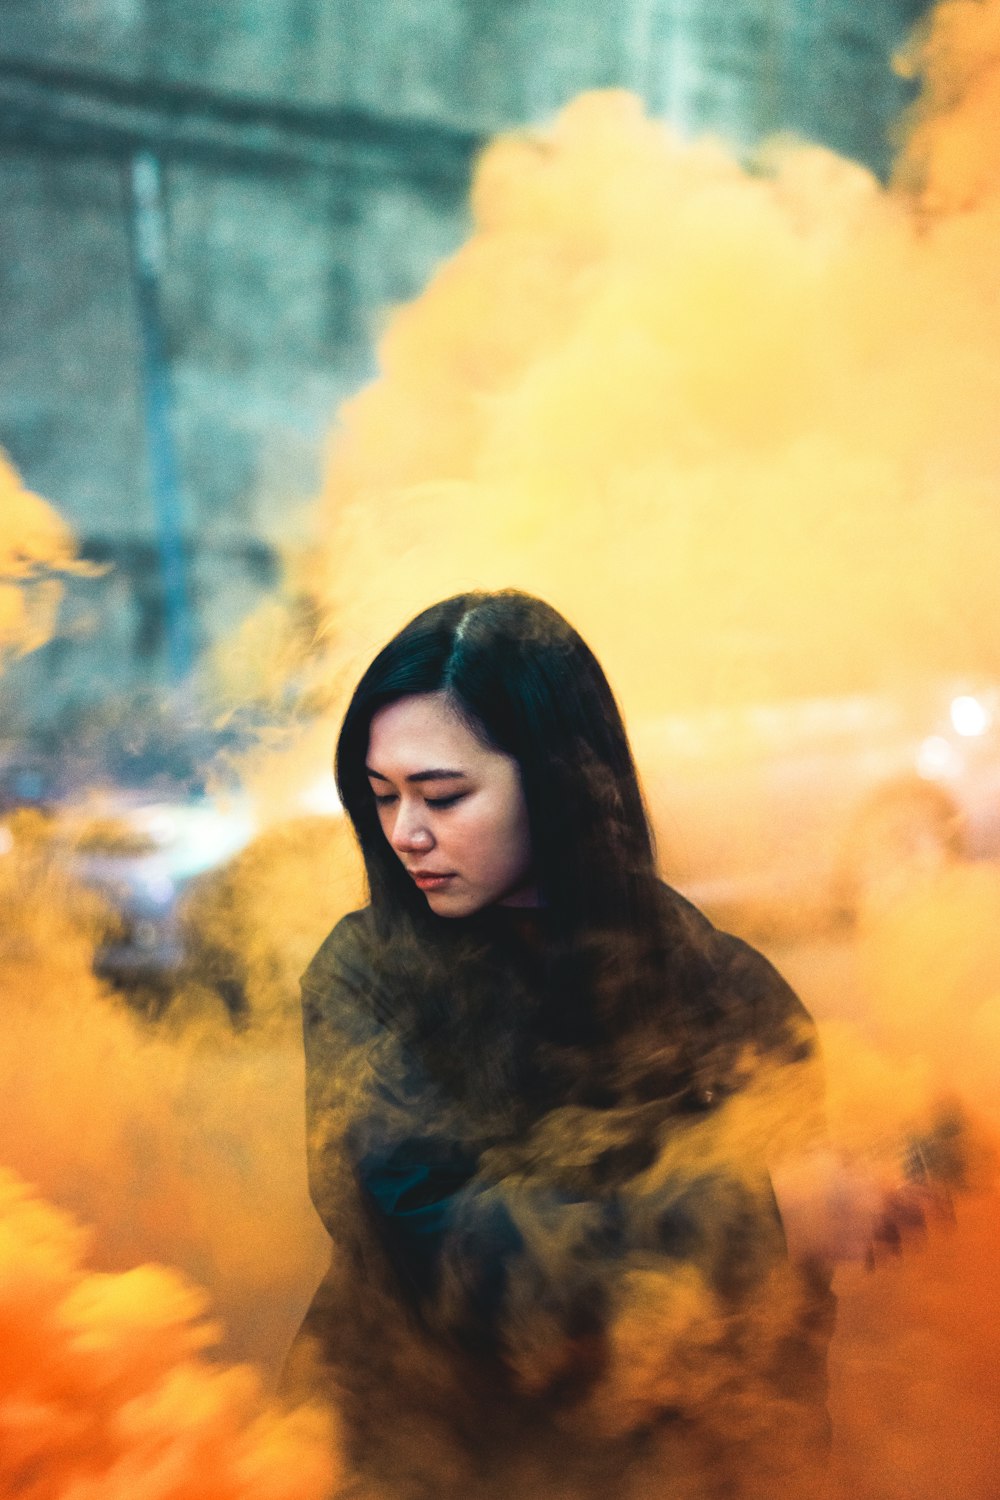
(410, 833)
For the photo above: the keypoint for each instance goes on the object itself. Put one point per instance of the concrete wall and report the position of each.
(736, 65)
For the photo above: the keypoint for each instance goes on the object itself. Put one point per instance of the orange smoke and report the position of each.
(35, 546)
(952, 156)
(105, 1390)
(916, 1365)
(757, 405)
(165, 1140)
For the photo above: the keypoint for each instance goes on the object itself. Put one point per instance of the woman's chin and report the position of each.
(449, 902)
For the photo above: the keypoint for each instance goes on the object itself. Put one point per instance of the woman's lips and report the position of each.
(430, 882)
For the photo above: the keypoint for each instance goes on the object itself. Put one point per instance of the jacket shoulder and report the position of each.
(745, 984)
(348, 953)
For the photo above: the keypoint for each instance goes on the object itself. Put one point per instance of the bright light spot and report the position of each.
(158, 887)
(937, 757)
(6, 841)
(321, 797)
(160, 824)
(969, 716)
(206, 836)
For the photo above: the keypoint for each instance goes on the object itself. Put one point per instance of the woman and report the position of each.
(546, 1100)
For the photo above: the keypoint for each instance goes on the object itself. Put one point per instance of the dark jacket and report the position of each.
(558, 1264)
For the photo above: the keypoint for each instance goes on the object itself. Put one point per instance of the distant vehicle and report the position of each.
(136, 848)
(141, 854)
(826, 803)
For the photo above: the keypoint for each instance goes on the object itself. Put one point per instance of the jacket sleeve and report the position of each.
(365, 1109)
(689, 1179)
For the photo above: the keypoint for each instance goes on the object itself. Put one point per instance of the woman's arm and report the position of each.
(831, 1209)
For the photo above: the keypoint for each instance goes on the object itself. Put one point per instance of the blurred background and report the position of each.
(682, 313)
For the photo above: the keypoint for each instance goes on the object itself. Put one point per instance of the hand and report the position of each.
(836, 1210)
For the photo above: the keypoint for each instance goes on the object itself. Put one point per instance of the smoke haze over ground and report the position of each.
(740, 425)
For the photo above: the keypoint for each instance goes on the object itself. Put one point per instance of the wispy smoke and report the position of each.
(951, 158)
(35, 547)
(915, 1363)
(164, 1139)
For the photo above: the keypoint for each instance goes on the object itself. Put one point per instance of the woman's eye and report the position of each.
(445, 801)
(382, 799)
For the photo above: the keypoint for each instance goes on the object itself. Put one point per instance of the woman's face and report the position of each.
(452, 809)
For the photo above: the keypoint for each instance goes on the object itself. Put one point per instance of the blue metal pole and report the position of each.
(145, 202)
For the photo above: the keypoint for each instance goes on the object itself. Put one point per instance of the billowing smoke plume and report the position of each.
(183, 1143)
(756, 403)
(914, 1369)
(105, 1389)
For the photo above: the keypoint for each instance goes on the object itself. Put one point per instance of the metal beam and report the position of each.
(77, 111)
(144, 201)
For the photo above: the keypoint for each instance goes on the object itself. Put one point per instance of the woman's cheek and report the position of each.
(465, 821)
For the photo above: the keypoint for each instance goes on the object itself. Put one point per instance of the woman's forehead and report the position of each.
(422, 733)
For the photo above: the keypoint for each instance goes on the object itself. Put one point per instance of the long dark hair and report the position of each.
(526, 684)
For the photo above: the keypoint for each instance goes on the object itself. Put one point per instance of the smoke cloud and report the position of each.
(105, 1389)
(757, 403)
(914, 1372)
(951, 157)
(162, 1138)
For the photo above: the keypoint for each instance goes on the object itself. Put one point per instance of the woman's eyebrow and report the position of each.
(418, 776)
